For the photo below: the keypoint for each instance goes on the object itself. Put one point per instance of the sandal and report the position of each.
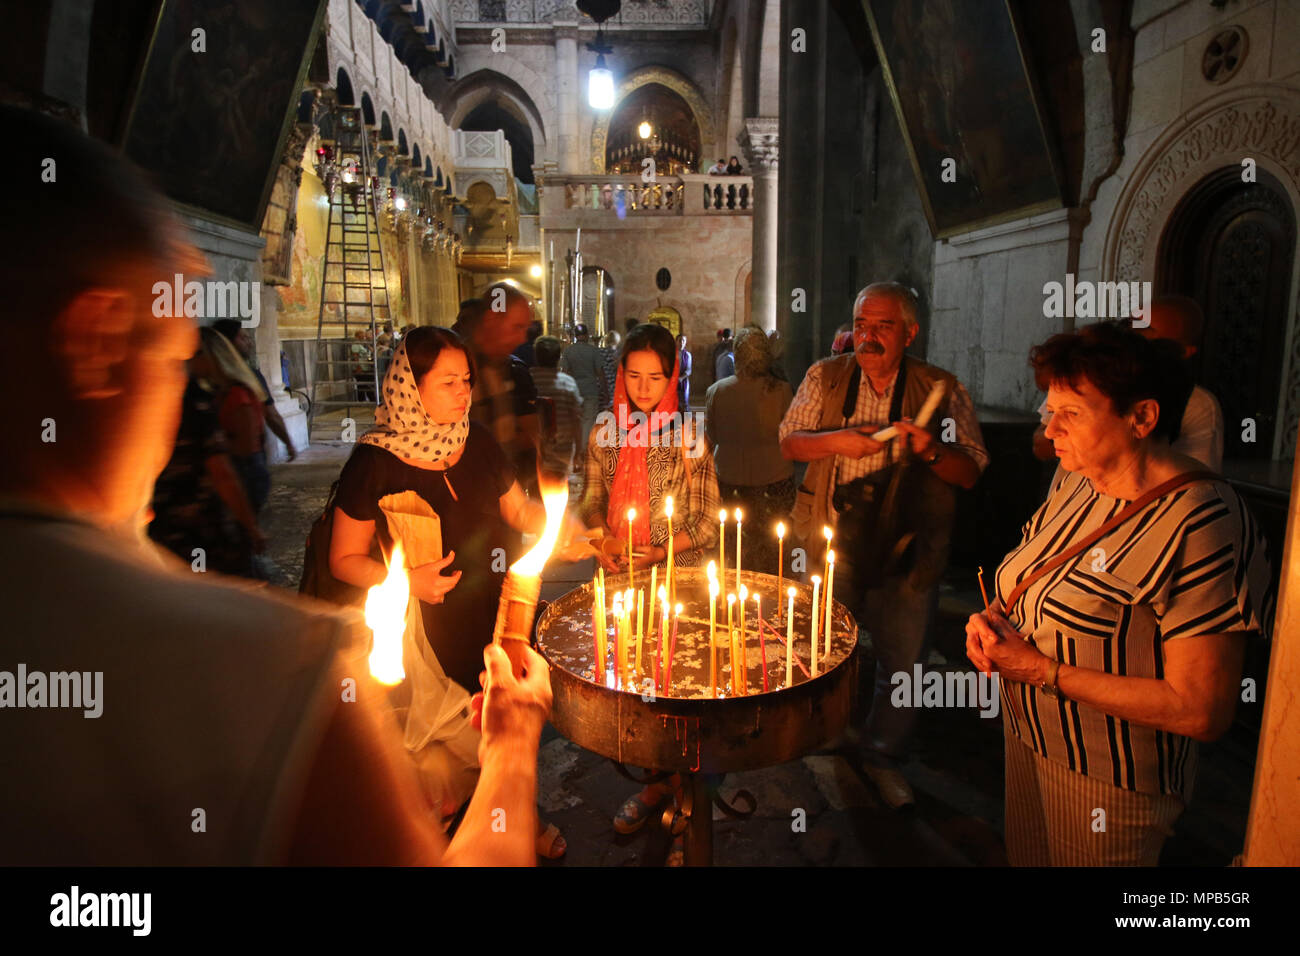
(634, 813)
(676, 853)
(550, 843)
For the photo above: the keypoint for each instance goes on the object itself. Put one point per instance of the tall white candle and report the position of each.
(738, 536)
(827, 614)
(722, 544)
(817, 583)
(789, 638)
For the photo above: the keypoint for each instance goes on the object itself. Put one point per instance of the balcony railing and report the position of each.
(622, 196)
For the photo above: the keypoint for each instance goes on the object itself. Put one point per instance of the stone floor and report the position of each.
(955, 769)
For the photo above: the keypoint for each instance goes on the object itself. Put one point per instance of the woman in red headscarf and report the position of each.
(638, 455)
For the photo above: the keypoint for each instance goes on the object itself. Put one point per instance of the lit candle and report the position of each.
(789, 639)
(631, 516)
(650, 599)
(672, 646)
(617, 608)
(827, 533)
(668, 510)
(663, 634)
(738, 529)
(731, 639)
(722, 543)
(817, 583)
(780, 563)
(758, 629)
(601, 630)
(830, 586)
(640, 613)
(741, 597)
(713, 622)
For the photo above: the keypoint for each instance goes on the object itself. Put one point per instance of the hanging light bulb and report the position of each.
(600, 85)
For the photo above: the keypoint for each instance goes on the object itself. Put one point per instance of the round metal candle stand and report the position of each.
(697, 736)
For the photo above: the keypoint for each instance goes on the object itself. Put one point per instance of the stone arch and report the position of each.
(666, 77)
(741, 295)
(402, 147)
(385, 128)
(367, 110)
(343, 88)
(1260, 122)
(512, 82)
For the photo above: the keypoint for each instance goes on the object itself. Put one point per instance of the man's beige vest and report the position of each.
(812, 508)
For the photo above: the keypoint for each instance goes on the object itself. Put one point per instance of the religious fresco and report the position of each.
(967, 109)
(215, 99)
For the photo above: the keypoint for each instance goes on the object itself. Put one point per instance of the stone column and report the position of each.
(568, 93)
(759, 140)
(1272, 837)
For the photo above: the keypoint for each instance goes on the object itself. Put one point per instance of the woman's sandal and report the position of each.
(550, 843)
(633, 814)
(676, 853)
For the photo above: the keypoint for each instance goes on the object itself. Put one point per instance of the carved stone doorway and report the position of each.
(1230, 245)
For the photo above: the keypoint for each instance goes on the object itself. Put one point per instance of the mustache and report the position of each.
(872, 348)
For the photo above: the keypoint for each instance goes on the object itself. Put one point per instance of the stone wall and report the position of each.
(708, 257)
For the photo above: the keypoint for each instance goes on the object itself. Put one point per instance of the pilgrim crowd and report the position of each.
(1109, 675)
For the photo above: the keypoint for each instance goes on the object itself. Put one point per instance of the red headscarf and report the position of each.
(631, 488)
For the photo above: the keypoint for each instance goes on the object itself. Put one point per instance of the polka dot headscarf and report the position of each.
(404, 428)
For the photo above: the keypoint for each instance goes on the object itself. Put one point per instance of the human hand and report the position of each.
(516, 699)
(993, 644)
(429, 584)
(648, 554)
(291, 452)
(920, 439)
(856, 443)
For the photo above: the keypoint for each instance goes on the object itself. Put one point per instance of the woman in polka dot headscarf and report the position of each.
(423, 441)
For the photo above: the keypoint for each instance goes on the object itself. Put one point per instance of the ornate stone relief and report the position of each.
(643, 77)
(1261, 123)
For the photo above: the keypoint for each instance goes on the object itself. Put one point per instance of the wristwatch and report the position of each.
(934, 459)
(1048, 686)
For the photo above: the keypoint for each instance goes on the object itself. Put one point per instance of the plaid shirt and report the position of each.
(695, 507)
(872, 410)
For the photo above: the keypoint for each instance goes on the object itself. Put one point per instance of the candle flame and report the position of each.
(744, 593)
(790, 591)
(737, 515)
(731, 598)
(816, 579)
(830, 556)
(713, 589)
(631, 514)
(386, 605)
(780, 529)
(555, 499)
(722, 515)
(668, 506)
(712, 571)
(677, 610)
(826, 532)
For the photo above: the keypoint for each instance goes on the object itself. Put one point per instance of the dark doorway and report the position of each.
(1230, 245)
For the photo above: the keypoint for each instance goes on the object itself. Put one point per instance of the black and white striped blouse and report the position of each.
(1190, 563)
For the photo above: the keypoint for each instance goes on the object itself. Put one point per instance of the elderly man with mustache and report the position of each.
(891, 503)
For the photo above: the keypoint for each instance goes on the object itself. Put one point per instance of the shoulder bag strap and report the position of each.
(1162, 489)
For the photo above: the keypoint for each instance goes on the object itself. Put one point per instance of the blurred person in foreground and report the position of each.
(211, 696)
(1117, 652)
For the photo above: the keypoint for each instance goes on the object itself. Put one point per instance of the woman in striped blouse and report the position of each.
(1114, 661)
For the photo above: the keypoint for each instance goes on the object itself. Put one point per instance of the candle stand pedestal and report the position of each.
(699, 736)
